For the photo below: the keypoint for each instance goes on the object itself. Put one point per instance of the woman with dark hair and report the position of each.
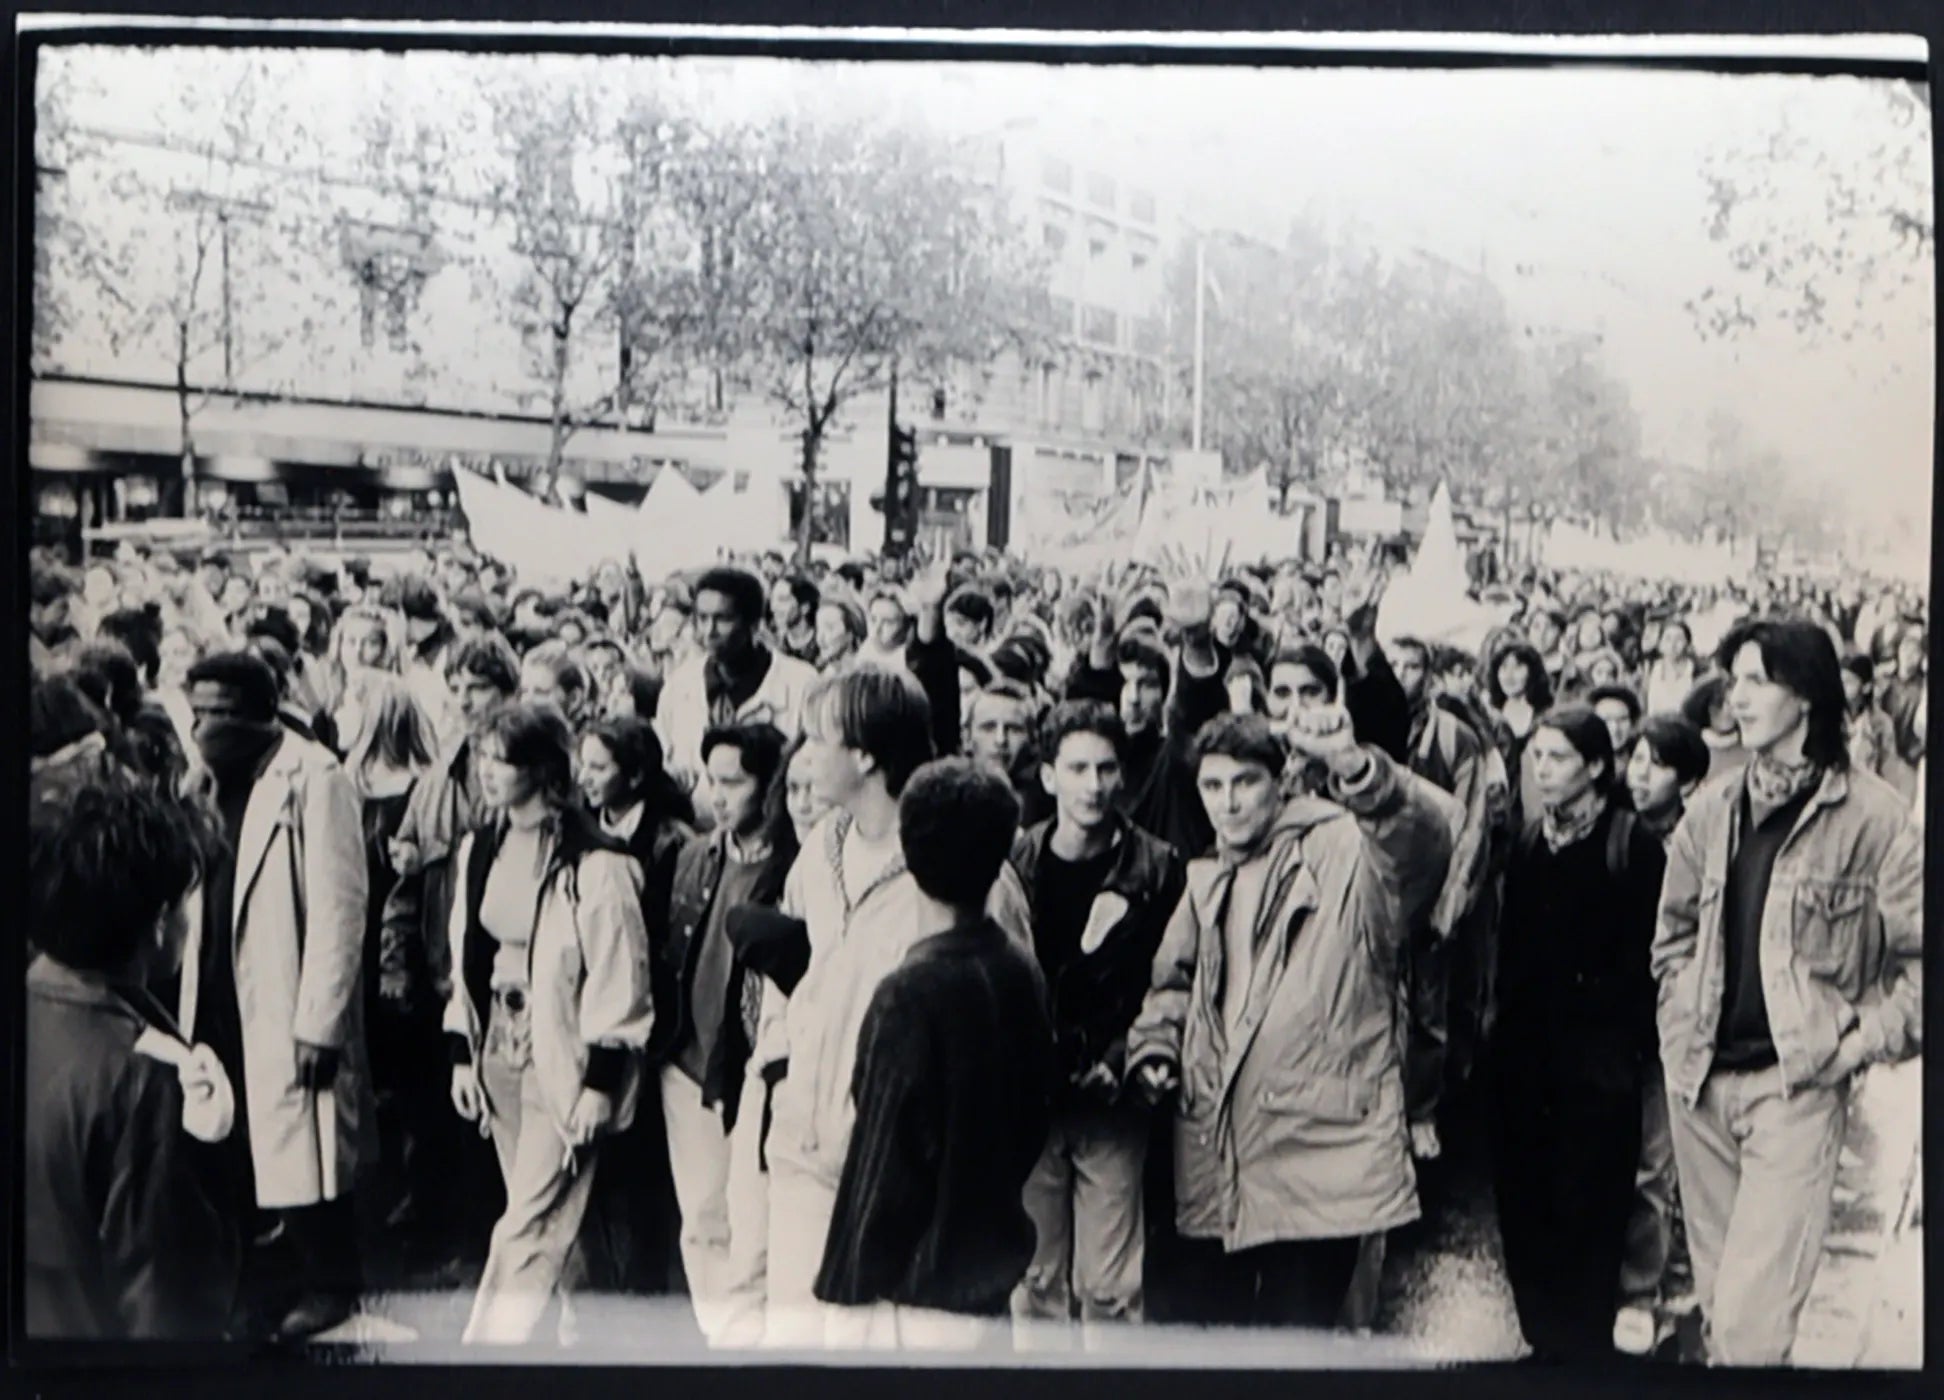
(1519, 690)
(1706, 708)
(1574, 1039)
(549, 1010)
(630, 793)
(709, 999)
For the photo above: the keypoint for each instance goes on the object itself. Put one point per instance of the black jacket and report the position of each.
(1576, 992)
(1095, 999)
(697, 876)
(124, 1237)
(657, 847)
(953, 1087)
(935, 665)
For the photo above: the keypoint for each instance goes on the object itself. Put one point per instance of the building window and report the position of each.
(1100, 191)
(1092, 401)
(1057, 175)
(1062, 309)
(1056, 237)
(1140, 263)
(1100, 326)
(1140, 204)
(1097, 248)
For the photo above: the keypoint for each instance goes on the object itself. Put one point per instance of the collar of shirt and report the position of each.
(625, 825)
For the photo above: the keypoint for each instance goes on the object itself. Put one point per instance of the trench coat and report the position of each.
(299, 922)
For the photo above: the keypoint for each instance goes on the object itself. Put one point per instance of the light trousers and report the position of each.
(528, 1263)
(1085, 1197)
(1650, 1229)
(698, 1158)
(1757, 1180)
(745, 1280)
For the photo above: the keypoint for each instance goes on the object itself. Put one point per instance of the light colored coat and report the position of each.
(1296, 1129)
(299, 924)
(855, 943)
(682, 717)
(589, 965)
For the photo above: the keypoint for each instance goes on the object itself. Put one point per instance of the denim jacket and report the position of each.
(1842, 930)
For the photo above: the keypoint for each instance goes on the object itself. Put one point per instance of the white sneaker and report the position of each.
(1424, 1142)
(1636, 1332)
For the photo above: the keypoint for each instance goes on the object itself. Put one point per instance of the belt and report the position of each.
(512, 998)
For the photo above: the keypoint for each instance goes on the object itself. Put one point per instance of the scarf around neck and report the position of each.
(1772, 783)
(1573, 820)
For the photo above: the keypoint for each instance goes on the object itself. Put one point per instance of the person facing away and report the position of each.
(952, 1087)
(1272, 1016)
(1789, 955)
(126, 1234)
(1101, 892)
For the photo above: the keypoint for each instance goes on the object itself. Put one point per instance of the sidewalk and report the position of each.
(1867, 1306)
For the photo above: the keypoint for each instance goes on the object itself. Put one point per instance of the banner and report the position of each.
(1431, 600)
(536, 540)
(1078, 531)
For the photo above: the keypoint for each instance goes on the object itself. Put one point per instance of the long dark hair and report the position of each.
(1800, 656)
(638, 754)
(1538, 692)
(535, 738)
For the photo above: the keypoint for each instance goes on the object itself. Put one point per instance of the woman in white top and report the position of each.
(550, 1007)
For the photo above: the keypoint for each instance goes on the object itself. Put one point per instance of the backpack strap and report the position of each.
(1620, 842)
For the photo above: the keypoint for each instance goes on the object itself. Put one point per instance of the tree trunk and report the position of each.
(806, 521)
(557, 440)
(182, 418)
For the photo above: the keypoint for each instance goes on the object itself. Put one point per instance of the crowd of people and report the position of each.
(955, 953)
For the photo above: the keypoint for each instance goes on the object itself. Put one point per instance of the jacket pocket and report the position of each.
(1827, 925)
(1339, 1099)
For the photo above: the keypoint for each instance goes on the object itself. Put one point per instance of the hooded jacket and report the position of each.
(1296, 1131)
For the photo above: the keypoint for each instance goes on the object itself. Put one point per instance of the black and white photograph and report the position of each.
(707, 700)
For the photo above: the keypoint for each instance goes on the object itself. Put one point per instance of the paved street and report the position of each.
(1444, 1297)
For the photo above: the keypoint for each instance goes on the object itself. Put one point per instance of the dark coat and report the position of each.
(953, 1087)
(1097, 996)
(1576, 990)
(697, 876)
(123, 1236)
(1160, 795)
(656, 846)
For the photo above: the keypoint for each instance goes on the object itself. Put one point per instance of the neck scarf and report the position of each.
(1773, 783)
(1573, 820)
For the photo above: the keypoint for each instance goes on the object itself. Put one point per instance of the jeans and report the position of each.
(1758, 1176)
(1085, 1199)
(1292, 1283)
(547, 1187)
(1650, 1229)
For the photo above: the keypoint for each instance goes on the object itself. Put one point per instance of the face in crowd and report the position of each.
(801, 799)
(1143, 697)
(783, 605)
(1241, 798)
(998, 729)
(734, 796)
(833, 634)
(502, 785)
(1560, 772)
(1619, 721)
(1514, 677)
(602, 782)
(1413, 671)
(1085, 780)
(1653, 785)
(1294, 687)
(728, 636)
(887, 624)
(1763, 710)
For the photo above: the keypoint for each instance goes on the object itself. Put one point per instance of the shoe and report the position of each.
(1636, 1332)
(1424, 1142)
(315, 1313)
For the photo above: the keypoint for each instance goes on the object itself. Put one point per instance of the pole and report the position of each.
(890, 455)
(1201, 325)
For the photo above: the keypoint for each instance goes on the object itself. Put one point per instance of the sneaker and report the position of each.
(318, 1312)
(1636, 1332)
(1424, 1142)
